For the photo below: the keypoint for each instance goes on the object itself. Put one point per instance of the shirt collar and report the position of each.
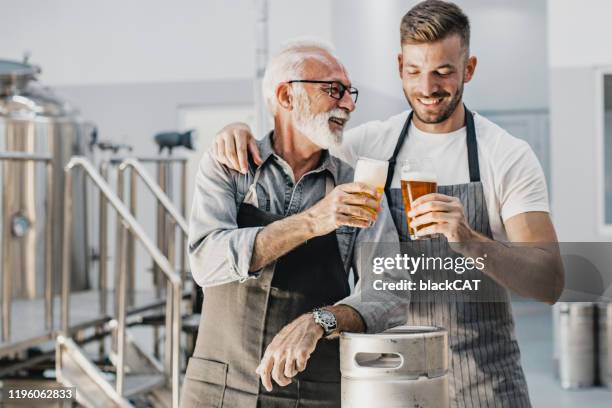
(328, 162)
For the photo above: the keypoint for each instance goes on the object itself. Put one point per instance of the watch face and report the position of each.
(327, 320)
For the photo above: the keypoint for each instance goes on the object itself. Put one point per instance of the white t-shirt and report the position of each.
(512, 177)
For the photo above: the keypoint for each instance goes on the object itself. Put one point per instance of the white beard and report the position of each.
(316, 127)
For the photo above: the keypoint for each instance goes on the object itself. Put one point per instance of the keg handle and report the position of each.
(384, 361)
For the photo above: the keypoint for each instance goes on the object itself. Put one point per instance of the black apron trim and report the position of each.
(398, 146)
(472, 147)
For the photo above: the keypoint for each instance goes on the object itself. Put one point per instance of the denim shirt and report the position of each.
(220, 252)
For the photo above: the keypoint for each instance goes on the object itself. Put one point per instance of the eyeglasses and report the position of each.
(335, 89)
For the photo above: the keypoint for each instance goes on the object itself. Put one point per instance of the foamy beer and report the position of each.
(418, 178)
(372, 172)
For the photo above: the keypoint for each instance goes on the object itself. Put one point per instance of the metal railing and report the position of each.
(168, 224)
(6, 270)
(176, 217)
(165, 208)
(128, 224)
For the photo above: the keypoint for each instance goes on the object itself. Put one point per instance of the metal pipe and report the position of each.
(119, 261)
(66, 252)
(184, 214)
(168, 333)
(169, 298)
(121, 310)
(157, 191)
(7, 295)
(103, 271)
(148, 159)
(156, 283)
(161, 219)
(131, 255)
(49, 250)
(176, 333)
(103, 261)
(20, 156)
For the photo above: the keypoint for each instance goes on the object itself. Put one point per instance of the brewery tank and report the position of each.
(34, 120)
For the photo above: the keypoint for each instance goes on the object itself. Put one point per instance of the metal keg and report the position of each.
(575, 344)
(406, 366)
(605, 344)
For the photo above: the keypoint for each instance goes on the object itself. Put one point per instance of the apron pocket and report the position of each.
(204, 384)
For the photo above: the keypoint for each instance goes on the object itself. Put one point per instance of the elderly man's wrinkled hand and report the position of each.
(289, 351)
(352, 204)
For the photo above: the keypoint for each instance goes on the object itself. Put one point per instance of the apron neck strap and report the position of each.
(472, 148)
(398, 147)
(251, 195)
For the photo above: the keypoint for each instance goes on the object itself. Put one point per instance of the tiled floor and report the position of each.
(534, 332)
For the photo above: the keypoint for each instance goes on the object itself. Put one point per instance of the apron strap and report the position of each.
(251, 195)
(472, 148)
(398, 146)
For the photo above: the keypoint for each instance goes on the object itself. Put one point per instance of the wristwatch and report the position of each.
(326, 320)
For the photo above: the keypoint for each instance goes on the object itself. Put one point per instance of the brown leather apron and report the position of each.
(240, 319)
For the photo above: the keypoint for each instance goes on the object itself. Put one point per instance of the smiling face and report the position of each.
(433, 75)
(315, 113)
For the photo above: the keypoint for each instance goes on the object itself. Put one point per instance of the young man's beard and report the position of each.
(443, 115)
(316, 126)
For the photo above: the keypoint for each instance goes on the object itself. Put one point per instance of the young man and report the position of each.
(491, 190)
(271, 245)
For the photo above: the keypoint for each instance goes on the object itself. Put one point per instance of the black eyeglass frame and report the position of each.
(351, 90)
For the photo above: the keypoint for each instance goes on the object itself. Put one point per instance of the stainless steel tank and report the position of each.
(575, 344)
(403, 367)
(34, 120)
(605, 344)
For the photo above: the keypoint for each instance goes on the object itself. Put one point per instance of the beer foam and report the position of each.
(372, 172)
(421, 176)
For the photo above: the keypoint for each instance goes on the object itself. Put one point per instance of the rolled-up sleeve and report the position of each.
(219, 251)
(380, 310)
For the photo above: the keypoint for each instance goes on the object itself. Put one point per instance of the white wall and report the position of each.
(509, 39)
(141, 41)
(114, 41)
(579, 34)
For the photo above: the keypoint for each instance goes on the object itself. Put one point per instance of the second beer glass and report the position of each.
(418, 178)
(372, 172)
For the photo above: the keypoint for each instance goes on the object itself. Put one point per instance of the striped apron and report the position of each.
(485, 369)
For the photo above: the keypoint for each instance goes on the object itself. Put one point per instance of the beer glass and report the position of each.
(418, 178)
(372, 172)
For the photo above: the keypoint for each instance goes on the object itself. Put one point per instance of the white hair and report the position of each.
(289, 64)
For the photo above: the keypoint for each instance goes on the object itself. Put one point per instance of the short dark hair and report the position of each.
(434, 20)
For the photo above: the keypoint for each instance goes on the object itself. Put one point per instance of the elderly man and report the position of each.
(273, 244)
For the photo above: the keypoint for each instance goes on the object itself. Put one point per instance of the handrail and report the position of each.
(128, 223)
(166, 242)
(149, 159)
(156, 190)
(131, 222)
(7, 294)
